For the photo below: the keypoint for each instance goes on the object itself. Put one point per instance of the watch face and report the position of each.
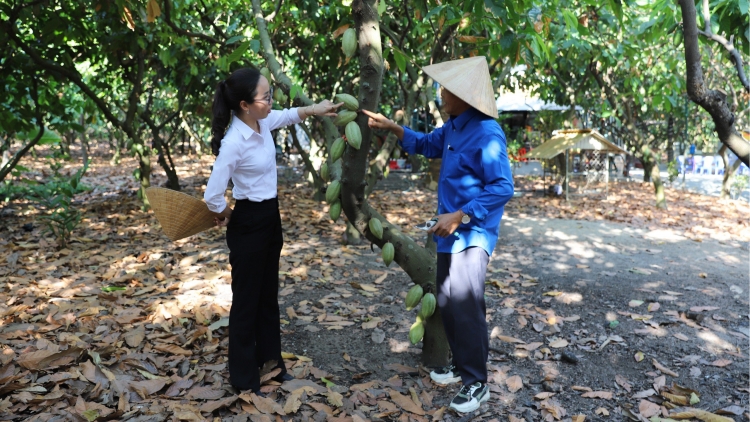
(465, 219)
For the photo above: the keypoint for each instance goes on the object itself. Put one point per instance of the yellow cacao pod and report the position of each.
(349, 42)
(376, 228)
(337, 149)
(428, 306)
(335, 210)
(388, 253)
(325, 174)
(413, 296)
(416, 332)
(353, 135)
(344, 117)
(332, 193)
(350, 103)
(266, 73)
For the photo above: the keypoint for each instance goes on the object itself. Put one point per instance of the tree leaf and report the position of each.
(405, 402)
(238, 52)
(514, 383)
(607, 395)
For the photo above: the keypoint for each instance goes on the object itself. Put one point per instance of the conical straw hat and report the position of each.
(180, 214)
(467, 79)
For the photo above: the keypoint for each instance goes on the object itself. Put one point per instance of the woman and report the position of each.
(246, 154)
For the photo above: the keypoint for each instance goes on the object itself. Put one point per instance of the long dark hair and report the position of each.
(242, 85)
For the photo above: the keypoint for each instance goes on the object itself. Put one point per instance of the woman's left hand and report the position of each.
(326, 108)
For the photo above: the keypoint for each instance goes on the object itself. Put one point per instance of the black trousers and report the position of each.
(460, 297)
(254, 238)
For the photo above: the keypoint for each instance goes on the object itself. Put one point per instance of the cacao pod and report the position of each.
(353, 135)
(416, 332)
(337, 149)
(279, 96)
(332, 193)
(350, 103)
(388, 253)
(349, 42)
(324, 172)
(413, 296)
(344, 117)
(376, 228)
(428, 306)
(266, 73)
(335, 210)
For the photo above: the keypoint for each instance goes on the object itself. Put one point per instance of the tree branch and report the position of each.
(10, 165)
(734, 56)
(167, 9)
(712, 101)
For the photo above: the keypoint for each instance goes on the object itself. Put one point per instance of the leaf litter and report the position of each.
(152, 338)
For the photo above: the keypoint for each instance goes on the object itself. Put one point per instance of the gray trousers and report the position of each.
(460, 297)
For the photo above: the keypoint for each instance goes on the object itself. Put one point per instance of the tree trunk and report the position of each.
(714, 102)
(651, 170)
(729, 170)
(410, 256)
(143, 174)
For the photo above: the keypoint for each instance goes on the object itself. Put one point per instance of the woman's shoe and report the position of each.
(285, 376)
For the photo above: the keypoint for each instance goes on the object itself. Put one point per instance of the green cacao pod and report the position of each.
(388, 253)
(279, 96)
(349, 42)
(335, 210)
(344, 117)
(325, 174)
(416, 332)
(337, 149)
(413, 296)
(350, 103)
(376, 228)
(353, 135)
(266, 73)
(428, 306)
(332, 193)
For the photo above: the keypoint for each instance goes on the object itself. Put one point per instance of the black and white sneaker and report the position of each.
(445, 375)
(470, 397)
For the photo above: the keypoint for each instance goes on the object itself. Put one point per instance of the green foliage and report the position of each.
(55, 197)
(739, 184)
(672, 171)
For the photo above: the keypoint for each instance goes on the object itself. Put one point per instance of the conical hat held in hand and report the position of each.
(179, 214)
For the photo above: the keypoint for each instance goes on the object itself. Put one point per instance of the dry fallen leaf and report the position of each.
(514, 383)
(639, 356)
(721, 363)
(405, 402)
(607, 395)
(578, 418)
(623, 382)
(663, 368)
(559, 343)
(601, 411)
(648, 409)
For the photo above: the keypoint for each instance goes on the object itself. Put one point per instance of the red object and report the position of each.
(393, 165)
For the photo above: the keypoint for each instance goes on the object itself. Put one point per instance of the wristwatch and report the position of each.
(465, 218)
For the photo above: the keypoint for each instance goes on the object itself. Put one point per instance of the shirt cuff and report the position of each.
(475, 210)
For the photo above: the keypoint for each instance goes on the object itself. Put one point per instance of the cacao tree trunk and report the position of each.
(729, 170)
(417, 261)
(651, 170)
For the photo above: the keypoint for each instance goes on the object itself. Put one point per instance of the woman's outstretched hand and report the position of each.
(326, 108)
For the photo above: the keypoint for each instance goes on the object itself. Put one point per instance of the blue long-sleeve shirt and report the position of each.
(475, 176)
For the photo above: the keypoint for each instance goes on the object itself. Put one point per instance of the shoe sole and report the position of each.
(474, 407)
(446, 381)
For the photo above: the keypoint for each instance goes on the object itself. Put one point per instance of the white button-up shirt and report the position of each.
(249, 159)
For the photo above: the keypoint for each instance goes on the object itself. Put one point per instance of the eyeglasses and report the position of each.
(268, 99)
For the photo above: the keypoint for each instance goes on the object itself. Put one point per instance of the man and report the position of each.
(474, 185)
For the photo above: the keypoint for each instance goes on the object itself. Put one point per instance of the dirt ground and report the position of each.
(585, 316)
